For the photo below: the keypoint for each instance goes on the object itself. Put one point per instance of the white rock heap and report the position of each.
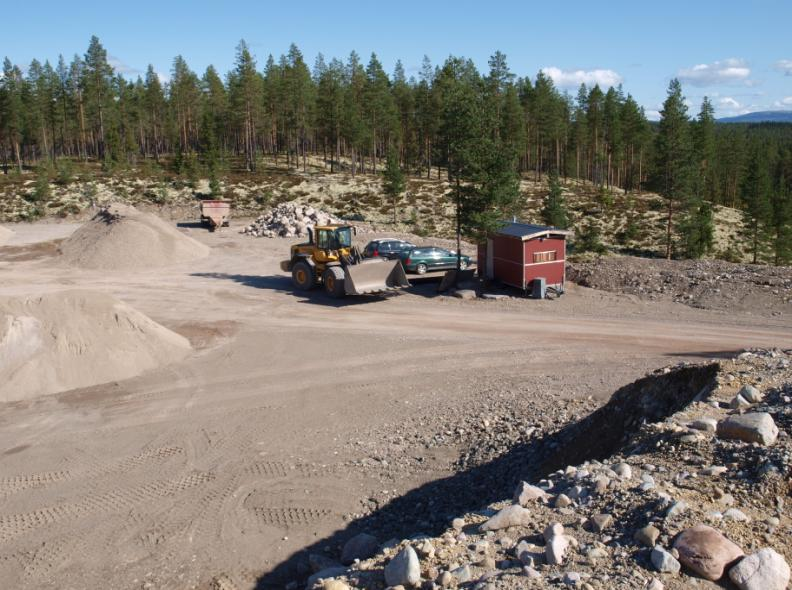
(288, 220)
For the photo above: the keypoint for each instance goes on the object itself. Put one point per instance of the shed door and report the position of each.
(490, 264)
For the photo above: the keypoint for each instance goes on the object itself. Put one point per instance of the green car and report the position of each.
(425, 259)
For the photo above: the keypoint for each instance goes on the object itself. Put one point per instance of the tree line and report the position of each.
(476, 129)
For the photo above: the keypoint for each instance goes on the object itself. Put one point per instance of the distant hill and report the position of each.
(760, 117)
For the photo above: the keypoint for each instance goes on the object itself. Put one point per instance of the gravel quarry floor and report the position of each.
(295, 415)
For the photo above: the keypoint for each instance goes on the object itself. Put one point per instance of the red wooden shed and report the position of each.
(518, 253)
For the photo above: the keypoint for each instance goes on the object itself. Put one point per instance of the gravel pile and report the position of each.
(706, 284)
(691, 498)
(288, 220)
(120, 237)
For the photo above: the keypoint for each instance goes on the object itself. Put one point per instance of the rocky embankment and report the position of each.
(677, 485)
(706, 284)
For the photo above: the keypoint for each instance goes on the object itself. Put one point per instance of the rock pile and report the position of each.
(698, 496)
(288, 220)
(706, 284)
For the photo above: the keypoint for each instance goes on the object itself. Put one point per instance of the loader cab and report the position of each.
(333, 238)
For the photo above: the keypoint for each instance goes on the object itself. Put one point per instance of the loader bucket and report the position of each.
(372, 276)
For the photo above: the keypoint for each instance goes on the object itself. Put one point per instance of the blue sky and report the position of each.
(738, 53)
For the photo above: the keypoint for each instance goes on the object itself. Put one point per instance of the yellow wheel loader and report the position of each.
(329, 259)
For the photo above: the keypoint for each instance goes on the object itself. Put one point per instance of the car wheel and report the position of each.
(462, 265)
(421, 269)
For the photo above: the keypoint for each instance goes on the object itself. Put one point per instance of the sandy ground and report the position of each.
(266, 438)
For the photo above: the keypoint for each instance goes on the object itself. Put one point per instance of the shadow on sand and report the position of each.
(283, 284)
(423, 286)
(429, 509)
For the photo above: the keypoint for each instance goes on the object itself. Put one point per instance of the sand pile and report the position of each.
(120, 237)
(74, 339)
(5, 235)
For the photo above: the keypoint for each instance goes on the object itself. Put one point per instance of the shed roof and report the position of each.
(526, 231)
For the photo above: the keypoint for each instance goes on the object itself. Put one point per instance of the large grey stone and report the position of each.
(750, 394)
(763, 570)
(648, 535)
(664, 562)
(706, 551)
(514, 515)
(526, 494)
(361, 546)
(404, 569)
(757, 427)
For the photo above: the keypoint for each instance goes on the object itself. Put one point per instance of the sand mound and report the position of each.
(74, 339)
(120, 237)
(5, 235)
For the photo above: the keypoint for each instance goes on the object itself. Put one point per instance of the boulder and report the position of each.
(750, 394)
(361, 546)
(763, 570)
(664, 562)
(555, 549)
(599, 522)
(706, 551)
(704, 424)
(757, 427)
(526, 494)
(404, 569)
(514, 515)
(556, 543)
(648, 535)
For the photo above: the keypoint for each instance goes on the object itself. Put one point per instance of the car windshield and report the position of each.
(343, 237)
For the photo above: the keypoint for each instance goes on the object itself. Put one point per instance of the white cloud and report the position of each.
(163, 78)
(653, 115)
(784, 102)
(574, 78)
(120, 67)
(727, 102)
(728, 71)
(784, 66)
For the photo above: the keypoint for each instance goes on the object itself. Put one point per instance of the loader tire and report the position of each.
(303, 276)
(333, 279)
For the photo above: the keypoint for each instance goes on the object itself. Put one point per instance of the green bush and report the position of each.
(589, 239)
(41, 189)
(64, 171)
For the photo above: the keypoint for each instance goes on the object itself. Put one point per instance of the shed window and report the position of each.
(544, 256)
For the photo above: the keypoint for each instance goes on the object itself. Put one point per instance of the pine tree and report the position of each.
(755, 192)
(11, 122)
(698, 230)
(705, 150)
(245, 96)
(393, 183)
(554, 211)
(97, 76)
(781, 204)
(673, 167)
